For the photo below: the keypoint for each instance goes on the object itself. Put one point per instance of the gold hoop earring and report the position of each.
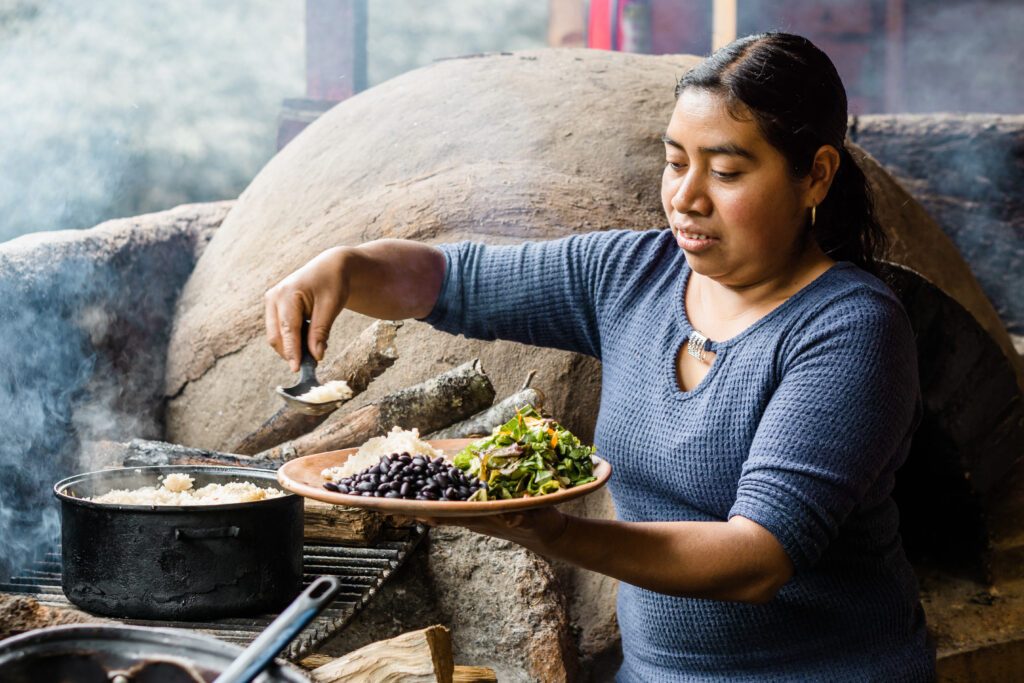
(814, 211)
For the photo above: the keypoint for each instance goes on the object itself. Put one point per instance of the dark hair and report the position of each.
(799, 104)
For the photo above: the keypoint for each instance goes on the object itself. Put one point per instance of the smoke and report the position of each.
(114, 108)
(402, 36)
(84, 322)
(959, 56)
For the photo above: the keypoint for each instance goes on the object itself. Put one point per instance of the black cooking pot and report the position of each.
(99, 654)
(179, 562)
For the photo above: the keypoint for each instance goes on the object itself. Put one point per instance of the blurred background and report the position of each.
(111, 109)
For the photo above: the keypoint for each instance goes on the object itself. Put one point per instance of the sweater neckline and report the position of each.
(716, 345)
(721, 347)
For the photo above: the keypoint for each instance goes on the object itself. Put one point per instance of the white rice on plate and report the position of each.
(398, 440)
(176, 489)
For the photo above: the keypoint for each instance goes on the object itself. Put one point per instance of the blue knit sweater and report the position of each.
(799, 426)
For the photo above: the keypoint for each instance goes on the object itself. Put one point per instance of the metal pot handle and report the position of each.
(281, 631)
(196, 534)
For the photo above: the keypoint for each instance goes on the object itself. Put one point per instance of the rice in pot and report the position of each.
(176, 489)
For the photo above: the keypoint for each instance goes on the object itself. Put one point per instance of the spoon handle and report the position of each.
(307, 365)
(281, 631)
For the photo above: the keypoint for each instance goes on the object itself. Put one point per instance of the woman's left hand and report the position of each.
(533, 529)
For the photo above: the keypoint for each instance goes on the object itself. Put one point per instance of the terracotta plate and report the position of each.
(302, 476)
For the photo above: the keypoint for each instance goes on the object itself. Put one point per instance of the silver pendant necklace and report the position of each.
(696, 345)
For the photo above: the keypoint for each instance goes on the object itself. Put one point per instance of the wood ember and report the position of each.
(364, 359)
(428, 406)
(423, 656)
(485, 421)
(21, 613)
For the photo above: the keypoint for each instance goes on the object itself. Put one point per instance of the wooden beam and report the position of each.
(723, 23)
(894, 40)
(335, 48)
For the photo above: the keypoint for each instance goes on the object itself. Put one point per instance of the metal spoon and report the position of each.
(307, 381)
(281, 631)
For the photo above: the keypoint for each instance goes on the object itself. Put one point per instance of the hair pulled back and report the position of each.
(798, 101)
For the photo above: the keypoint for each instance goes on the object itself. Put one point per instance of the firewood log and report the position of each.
(21, 613)
(325, 523)
(451, 396)
(365, 358)
(423, 656)
(485, 421)
(144, 453)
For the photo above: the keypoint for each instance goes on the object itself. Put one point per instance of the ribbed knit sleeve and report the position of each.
(540, 293)
(840, 418)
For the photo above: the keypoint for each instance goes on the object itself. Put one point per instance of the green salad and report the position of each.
(530, 455)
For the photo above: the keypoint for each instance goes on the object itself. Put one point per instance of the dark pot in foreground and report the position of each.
(179, 562)
(97, 654)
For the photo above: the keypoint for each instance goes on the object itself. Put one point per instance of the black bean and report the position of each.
(365, 486)
(344, 489)
(392, 494)
(418, 469)
(404, 490)
(331, 486)
(450, 492)
(463, 492)
(383, 467)
(432, 486)
(429, 495)
(442, 480)
(454, 471)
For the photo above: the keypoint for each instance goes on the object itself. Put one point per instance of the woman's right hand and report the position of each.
(388, 279)
(317, 291)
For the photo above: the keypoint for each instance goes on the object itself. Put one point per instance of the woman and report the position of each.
(759, 385)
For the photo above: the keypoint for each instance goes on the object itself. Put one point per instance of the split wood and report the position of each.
(423, 656)
(484, 422)
(437, 403)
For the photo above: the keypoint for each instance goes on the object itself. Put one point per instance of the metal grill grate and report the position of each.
(361, 569)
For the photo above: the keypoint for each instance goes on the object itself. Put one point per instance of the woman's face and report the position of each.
(731, 204)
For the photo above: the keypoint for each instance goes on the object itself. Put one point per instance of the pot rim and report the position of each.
(191, 642)
(256, 473)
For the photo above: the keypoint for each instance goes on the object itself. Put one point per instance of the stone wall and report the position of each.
(84, 320)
